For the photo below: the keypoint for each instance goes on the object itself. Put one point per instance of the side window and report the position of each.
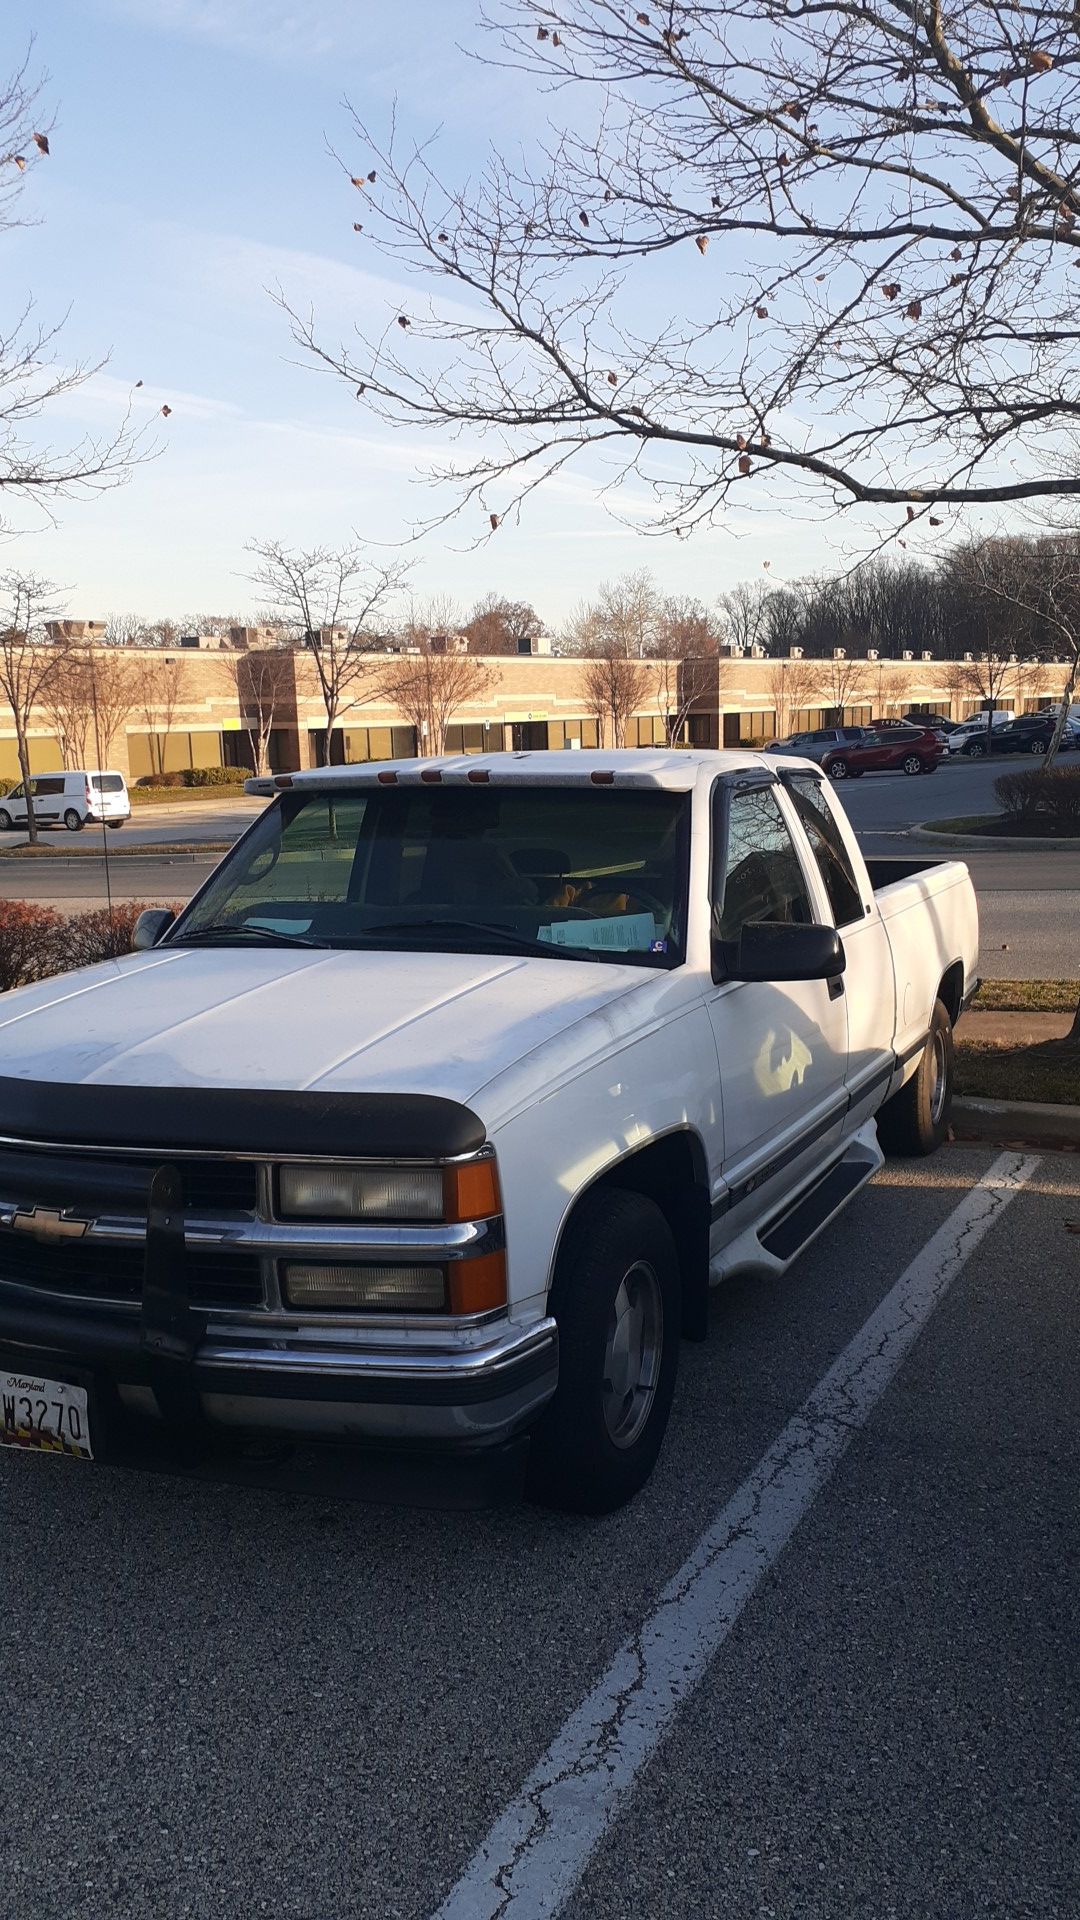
(45, 787)
(757, 875)
(18, 793)
(834, 862)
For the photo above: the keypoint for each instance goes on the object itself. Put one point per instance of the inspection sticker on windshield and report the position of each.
(623, 933)
(44, 1416)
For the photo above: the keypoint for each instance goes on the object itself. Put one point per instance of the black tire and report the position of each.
(6, 821)
(576, 1463)
(114, 825)
(1038, 746)
(73, 821)
(976, 749)
(836, 769)
(913, 764)
(916, 1120)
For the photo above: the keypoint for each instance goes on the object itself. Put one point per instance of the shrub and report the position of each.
(162, 779)
(1051, 798)
(27, 942)
(216, 776)
(82, 939)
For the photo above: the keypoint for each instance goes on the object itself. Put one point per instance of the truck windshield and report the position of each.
(577, 873)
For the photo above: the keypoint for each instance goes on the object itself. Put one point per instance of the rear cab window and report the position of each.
(756, 870)
(834, 862)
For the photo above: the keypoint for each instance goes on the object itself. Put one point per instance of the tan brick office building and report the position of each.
(534, 701)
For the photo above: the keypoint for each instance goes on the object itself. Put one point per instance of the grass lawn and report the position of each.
(1050, 1071)
(1026, 996)
(166, 796)
(1000, 826)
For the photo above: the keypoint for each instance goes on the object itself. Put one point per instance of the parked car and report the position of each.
(1031, 733)
(435, 1114)
(886, 750)
(976, 729)
(68, 800)
(932, 721)
(818, 744)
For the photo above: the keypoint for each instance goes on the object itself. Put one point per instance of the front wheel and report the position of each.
(617, 1302)
(837, 769)
(1038, 746)
(114, 825)
(975, 749)
(6, 821)
(73, 821)
(913, 764)
(916, 1120)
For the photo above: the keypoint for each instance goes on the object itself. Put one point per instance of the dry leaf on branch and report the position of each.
(355, 180)
(935, 522)
(612, 380)
(913, 310)
(403, 319)
(890, 291)
(166, 411)
(361, 390)
(41, 142)
(1041, 62)
(138, 383)
(556, 40)
(766, 563)
(765, 440)
(701, 242)
(584, 218)
(19, 162)
(744, 463)
(957, 253)
(443, 239)
(358, 226)
(762, 312)
(542, 33)
(643, 20)
(793, 110)
(911, 513)
(740, 441)
(494, 519)
(371, 178)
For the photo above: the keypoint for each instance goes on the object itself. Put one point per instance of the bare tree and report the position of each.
(161, 694)
(65, 700)
(689, 667)
(113, 684)
(883, 202)
(791, 685)
(745, 612)
(843, 683)
(429, 688)
(327, 598)
(580, 633)
(629, 613)
(499, 626)
(126, 630)
(264, 682)
(28, 661)
(1036, 582)
(33, 375)
(613, 686)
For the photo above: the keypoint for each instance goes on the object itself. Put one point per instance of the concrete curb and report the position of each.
(1036, 1122)
(73, 858)
(990, 841)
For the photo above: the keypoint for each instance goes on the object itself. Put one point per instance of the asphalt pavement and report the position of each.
(235, 1702)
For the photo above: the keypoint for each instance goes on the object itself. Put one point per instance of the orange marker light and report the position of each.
(471, 1191)
(478, 1286)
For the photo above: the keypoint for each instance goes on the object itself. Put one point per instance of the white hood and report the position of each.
(438, 1023)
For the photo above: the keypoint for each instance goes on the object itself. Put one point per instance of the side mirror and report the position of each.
(149, 928)
(765, 951)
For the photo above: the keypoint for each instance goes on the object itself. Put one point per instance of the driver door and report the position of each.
(781, 1046)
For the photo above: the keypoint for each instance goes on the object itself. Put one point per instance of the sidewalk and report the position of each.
(1013, 1029)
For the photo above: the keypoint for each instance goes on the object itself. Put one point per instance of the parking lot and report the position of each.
(827, 1658)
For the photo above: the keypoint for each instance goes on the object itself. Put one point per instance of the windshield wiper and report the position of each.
(218, 929)
(517, 942)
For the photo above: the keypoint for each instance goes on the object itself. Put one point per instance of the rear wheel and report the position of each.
(836, 769)
(616, 1300)
(916, 1120)
(975, 749)
(1038, 746)
(72, 820)
(913, 764)
(114, 824)
(6, 821)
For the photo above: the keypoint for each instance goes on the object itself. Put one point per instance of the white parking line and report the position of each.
(539, 1848)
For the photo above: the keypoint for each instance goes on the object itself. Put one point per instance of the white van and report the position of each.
(68, 800)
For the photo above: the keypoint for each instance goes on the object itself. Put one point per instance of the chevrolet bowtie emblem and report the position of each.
(48, 1223)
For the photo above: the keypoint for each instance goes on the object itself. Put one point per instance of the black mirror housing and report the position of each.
(767, 951)
(151, 924)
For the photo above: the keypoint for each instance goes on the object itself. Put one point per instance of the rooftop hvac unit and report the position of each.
(838, 653)
(926, 656)
(907, 656)
(872, 653)
(795, 653)
(968, 657)
(757, 653)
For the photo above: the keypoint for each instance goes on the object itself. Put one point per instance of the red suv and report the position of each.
(885, 750)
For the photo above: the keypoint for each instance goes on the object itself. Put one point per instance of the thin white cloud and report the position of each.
(283, 31)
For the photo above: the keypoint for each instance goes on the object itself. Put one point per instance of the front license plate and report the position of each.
(44, 1416)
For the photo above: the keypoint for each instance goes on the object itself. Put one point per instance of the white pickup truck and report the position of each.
(432, 1119)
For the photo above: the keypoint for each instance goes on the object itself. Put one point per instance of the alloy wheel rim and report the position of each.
(632, 1354)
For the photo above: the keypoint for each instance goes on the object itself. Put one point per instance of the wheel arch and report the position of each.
(951, 990)
(672, 1171)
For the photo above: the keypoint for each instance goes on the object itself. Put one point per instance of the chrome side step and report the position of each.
(803, 1219)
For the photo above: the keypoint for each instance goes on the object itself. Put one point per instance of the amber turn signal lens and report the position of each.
(478, 1286)
(471, 1191)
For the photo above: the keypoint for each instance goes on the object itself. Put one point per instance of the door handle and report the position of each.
(836, 986)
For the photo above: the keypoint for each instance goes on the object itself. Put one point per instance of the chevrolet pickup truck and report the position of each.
(431, 1120)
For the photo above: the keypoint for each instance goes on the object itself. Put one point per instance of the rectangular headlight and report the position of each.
(360, 1193)
(367, 1289)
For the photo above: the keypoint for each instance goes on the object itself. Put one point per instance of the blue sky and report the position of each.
(189, 175)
